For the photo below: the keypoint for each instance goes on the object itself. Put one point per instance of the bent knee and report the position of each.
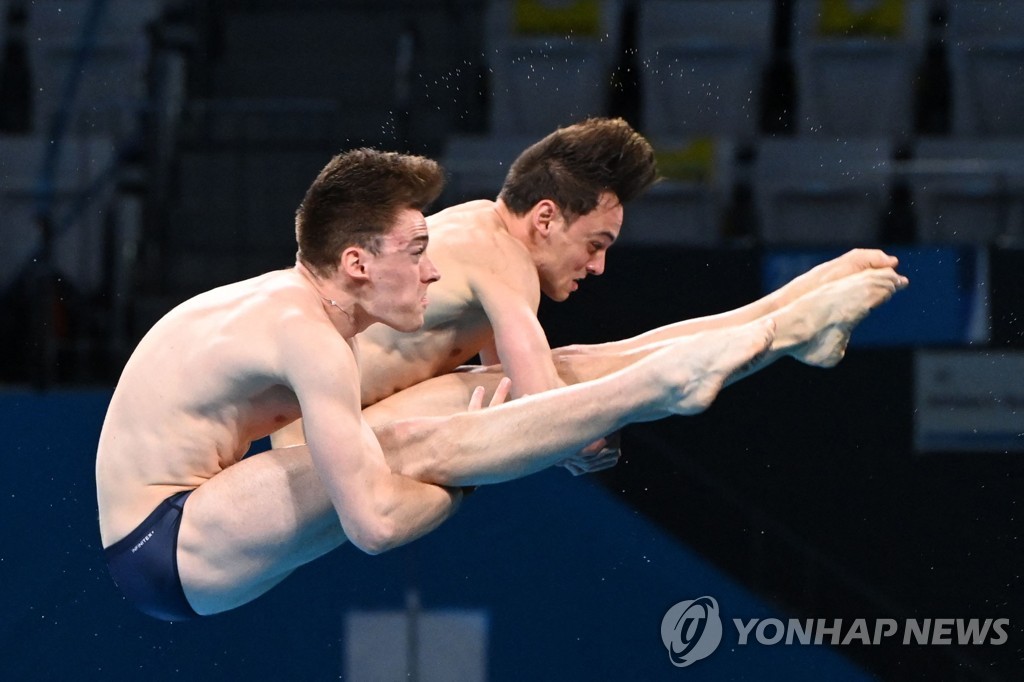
(211, 590)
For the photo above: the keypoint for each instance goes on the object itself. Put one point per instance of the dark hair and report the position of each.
(574, 165)
(355, 199)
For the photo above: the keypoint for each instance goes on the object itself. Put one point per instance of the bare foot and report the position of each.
(850, 263)
(836, 308)
(696, 367)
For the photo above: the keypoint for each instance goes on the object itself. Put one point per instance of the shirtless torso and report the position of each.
(237, 363)
(493, 267)
(164, 432)
(456, 325)
(189, 525)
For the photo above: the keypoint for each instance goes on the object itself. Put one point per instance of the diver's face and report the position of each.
(577, 249)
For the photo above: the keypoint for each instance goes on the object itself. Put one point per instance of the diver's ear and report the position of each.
(354, 262)
(544, 215)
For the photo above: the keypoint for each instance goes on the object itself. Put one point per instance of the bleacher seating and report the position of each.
(550, 62)
(77, 250)
(113, 79)
(986, 53)
(686, 208)
(283, 89)
(968, 191)
(821, 191)
(3, 22)
(702, 64)
(856, 63)
(476, 165)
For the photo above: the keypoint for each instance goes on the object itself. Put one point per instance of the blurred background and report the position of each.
(152, 149)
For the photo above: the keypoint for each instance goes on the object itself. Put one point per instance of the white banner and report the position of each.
(969, 401)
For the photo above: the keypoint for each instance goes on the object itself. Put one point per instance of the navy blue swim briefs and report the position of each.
(144, 564)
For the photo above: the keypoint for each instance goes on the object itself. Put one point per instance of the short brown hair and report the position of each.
(355, 199)
(574, 165)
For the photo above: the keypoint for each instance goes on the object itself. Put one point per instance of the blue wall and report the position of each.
(576, 583)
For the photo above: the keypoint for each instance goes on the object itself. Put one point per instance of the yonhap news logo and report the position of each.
(692, 630)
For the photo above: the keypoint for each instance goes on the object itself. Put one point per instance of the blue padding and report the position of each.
(945, 304)
(575, 583)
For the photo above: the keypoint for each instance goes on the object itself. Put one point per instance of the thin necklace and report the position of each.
(328, 301)
(331, 301)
